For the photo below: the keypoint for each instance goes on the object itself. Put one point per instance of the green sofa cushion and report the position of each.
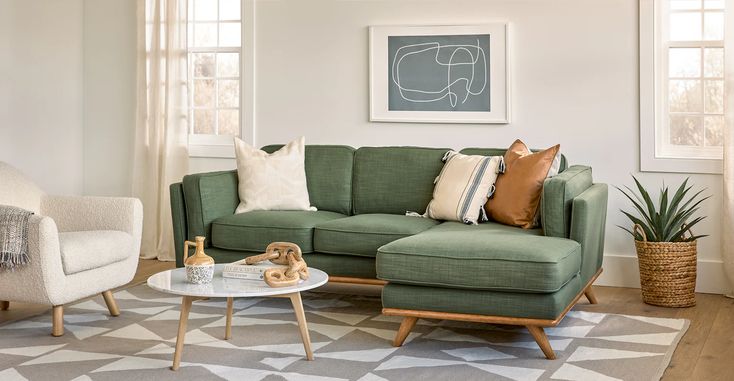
(481, 302)
(487, 256)
(224, 255)
(394, 180)
(343, 265)
(329, 176)
(362, 234)
(254, 231)
(334, 265)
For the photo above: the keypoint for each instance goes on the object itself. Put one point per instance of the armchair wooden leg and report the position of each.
(542, 340)
(589, 292)
(111, 304)
(58, 321)
(405, 327)
(4, 305)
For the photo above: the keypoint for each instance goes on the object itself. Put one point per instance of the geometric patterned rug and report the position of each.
(350, 338)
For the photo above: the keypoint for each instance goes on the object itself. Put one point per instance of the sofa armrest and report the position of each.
(178, 215)
(208, 196)
(557, 198)
(588, 222)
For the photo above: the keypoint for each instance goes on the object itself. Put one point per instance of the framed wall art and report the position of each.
(439, 74)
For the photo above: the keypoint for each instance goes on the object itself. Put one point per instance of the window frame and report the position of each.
(654, 155)
(222, 146)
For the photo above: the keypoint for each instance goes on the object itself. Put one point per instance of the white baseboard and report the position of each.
(622, 271)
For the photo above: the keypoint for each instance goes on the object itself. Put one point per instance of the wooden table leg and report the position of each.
(301, 317)
(183, 321)
(228, 328)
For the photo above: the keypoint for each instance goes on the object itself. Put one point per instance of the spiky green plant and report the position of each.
(666, 221)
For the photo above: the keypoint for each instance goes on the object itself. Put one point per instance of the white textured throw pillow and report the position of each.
(463, 187)
(274, 181)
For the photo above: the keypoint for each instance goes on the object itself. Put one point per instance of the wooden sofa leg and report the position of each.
(4, 305)
(58, 321)
(111, 304)
(589, 292)
(405, 327)
(542, 340)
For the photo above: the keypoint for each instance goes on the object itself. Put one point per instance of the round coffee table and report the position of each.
(174, 282)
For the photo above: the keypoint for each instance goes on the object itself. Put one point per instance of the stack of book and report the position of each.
(241, 270)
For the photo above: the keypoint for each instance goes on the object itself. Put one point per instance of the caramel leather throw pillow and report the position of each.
(517, 196)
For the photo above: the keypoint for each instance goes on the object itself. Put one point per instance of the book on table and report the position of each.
(241, 270)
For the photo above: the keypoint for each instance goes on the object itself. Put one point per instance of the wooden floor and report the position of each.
(706, 352)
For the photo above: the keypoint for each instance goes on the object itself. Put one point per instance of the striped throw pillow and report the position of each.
(463, 187)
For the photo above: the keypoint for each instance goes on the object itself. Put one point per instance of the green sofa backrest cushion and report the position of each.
(329, 176)
(394, 180)
(501, 152)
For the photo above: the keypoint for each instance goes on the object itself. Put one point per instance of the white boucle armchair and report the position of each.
(77, 247)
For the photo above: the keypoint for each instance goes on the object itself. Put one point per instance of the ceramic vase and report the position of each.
(199, 267)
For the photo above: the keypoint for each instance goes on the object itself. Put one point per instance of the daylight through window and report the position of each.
(691, 74)
(215, 49)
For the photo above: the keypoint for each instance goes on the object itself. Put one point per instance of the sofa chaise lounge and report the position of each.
(488, 273)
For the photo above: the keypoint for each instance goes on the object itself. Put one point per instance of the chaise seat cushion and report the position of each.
(487, 256)
(363, 234)
(87, 250)
(254, 231)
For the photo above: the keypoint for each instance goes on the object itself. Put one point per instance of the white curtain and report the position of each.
(161, 130)
(727, 242)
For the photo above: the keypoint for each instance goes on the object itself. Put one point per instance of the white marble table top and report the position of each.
(174, 282)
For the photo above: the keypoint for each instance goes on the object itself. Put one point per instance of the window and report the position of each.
(215, 73)
(682, 86)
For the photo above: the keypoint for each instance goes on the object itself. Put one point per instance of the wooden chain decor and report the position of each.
(282, 253)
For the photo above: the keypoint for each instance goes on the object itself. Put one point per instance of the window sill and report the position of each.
(213, 146)
(217, 151)
(692, 166)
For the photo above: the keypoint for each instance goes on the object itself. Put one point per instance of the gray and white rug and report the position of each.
(351, 341)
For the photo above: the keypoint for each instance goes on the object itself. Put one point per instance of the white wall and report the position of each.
(575, 82)
(67, 93)
(41, 91)
(109, 95)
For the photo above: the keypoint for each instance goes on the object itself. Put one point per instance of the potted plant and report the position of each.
(665, 243)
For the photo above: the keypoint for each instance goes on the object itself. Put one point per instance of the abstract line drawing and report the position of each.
(465, 65)
(439, 73)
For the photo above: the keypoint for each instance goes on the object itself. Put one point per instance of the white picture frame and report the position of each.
(400, 92)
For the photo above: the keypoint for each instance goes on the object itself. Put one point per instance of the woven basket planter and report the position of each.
(667, 272)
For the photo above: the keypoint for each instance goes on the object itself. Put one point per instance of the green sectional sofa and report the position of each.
(430, 269)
